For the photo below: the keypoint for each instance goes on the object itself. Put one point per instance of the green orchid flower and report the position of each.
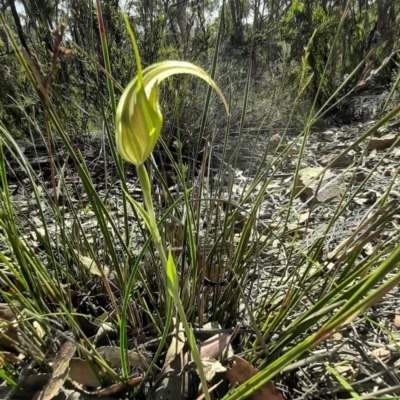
(139, 119)
(138, 124)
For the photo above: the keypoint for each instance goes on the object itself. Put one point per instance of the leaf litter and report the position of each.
(367, 349)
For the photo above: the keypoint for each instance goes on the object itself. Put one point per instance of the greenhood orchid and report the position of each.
(139, 119)
(138, 124)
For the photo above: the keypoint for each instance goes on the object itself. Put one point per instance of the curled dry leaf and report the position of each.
(106, 329)
(214, 346)
(211, 367)
(242, 371)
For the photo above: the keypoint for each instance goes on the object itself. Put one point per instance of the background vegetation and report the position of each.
(271, 35)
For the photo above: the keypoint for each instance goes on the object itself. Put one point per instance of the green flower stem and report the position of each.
(148, 200)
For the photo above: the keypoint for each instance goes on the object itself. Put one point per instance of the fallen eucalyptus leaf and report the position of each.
(91, 265)
(242, 371)
(81, 372)
(113, 357)
(60, 372)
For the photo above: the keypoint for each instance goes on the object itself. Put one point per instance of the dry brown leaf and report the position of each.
(172, 381)
(9, 337)
(396, 153)
(308, 183)
(81, 372)
(60, 372)
(39, 330)
(243, 371)
(397, 321)
(360, 85)
(305, 178)
(304, 217)
(10, 357)
(360, 176)
(52, 387)
(334, 162)
(6, 312)
(381, 353)
(213, 347)
(132, 381)
(106, 329)
(337, 337)
(382, 143)
(211, 367)
(343, 369)
(61, 361)
(176, 347)
(274, 141)
(8, 328)
(113, 357)
(34, 381)
(90, 265)
(41, 232)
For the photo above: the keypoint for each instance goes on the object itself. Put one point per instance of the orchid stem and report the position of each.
(148, 200)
